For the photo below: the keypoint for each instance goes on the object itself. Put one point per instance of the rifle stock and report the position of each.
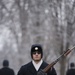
(46, 69)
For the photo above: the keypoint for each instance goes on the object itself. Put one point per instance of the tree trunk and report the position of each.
(62, 66)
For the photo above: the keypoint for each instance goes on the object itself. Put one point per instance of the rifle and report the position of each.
(46, 69)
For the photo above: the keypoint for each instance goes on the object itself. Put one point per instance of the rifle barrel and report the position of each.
(46, 69)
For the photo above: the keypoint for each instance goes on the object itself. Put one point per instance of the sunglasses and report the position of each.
(36, 52)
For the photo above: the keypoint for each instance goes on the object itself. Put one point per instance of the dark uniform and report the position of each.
(71, 71)
(29, 68)
(6, 70)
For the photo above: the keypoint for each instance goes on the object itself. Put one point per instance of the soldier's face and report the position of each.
(36, 56)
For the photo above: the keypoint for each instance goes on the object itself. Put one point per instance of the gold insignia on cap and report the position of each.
(36, 48)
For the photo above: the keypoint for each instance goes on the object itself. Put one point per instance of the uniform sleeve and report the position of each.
(13, 73)
(67, 73)
(52, 72)
(21, 71)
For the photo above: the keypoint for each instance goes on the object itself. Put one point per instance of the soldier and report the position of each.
(6, 70)
(71, 71)
(36, 64)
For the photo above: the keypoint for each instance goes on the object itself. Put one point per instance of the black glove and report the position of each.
(41, 73)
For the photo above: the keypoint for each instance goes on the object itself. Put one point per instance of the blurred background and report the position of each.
(50, 23)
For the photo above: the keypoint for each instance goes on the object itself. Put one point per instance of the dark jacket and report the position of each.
(29, 69)
(6, 71)
(70, 72)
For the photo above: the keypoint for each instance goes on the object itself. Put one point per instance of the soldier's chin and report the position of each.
(37, 60)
